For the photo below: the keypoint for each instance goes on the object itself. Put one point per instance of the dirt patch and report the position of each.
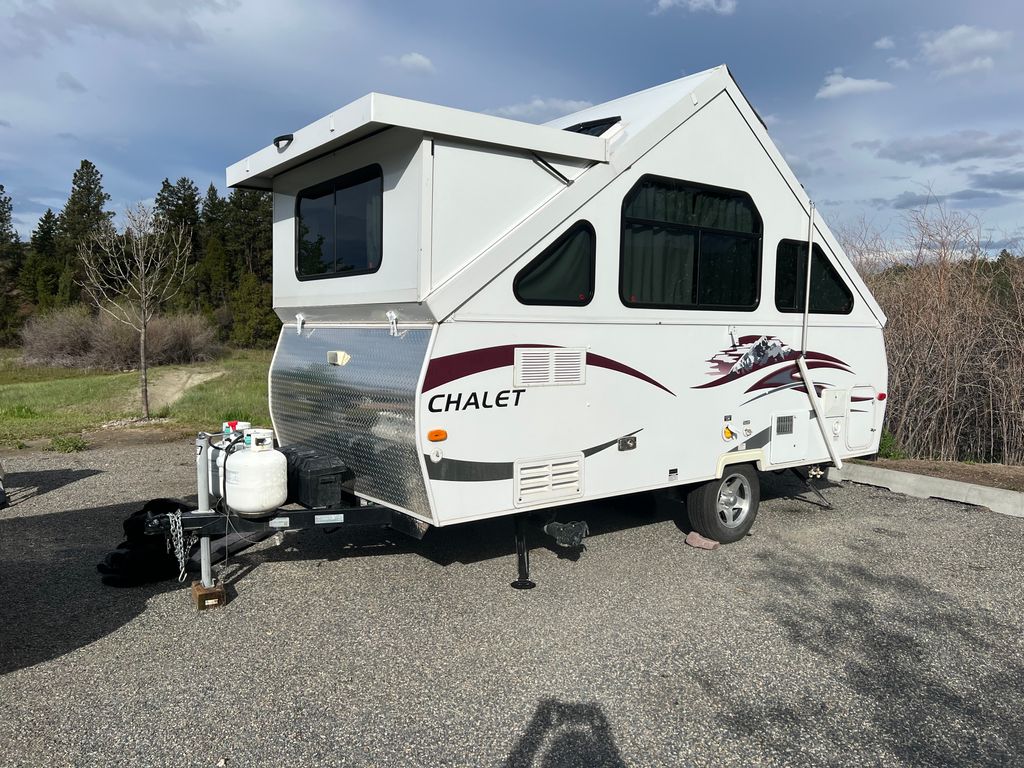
(171, 385)
(1005, 476)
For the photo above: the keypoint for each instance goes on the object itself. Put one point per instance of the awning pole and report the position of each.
(801, 362)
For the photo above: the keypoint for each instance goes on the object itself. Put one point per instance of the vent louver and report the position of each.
(547, 479)
(545, 367)
(784, 425)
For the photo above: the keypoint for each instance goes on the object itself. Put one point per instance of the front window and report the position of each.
(340, 225)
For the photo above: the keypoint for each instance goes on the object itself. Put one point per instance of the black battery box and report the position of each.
(316, 480)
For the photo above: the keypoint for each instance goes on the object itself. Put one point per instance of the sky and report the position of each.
(878, 105)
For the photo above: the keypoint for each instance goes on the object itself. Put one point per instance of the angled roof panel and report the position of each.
(375, 112)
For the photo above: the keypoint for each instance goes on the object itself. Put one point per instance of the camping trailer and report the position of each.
(483, 317)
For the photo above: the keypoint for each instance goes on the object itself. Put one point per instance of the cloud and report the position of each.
(837, 84)
(722, 7)
(68, 82)
(411, 62)
(771, 119)
(66, 136)
(963, 49)
(885, 43)
(1010, 181)
(947, 148)
(5, 123)
(897, 63)
(964, 198)
(33, 26)
(539, 110)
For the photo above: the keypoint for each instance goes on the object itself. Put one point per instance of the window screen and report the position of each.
(340, 225)
(563, 274)
(829, 294)
(686, 246)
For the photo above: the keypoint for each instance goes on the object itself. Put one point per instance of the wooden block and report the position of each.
(208, 597)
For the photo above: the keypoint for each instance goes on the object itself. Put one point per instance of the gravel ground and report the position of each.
(884, 632)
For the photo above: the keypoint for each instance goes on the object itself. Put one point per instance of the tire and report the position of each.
(724, 509)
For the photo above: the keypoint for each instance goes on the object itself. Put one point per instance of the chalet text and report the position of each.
(462, 401)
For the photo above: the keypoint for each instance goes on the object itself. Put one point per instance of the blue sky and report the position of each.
(875, 103)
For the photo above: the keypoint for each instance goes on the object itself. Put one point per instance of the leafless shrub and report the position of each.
(75, 339)
(955, 337)
(59, 339)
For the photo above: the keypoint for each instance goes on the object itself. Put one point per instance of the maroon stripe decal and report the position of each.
(451, 367)
(448, 368)
(615, 365)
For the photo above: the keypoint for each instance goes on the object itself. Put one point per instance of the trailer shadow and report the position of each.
(566, 735)
(54, 601)
(490, 539)
(928, 680)
(22, 486)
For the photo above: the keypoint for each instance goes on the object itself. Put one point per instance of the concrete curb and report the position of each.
(924, 486)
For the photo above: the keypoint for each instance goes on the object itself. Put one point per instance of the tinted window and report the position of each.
(340, 225)
(829, 294)
(563, 274)
(686, 246)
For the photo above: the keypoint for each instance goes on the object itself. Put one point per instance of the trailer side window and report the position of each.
(340, 226)
(689, 246)
(829, 293)
(563, 274)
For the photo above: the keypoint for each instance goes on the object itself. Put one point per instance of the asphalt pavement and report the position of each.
(885, 631)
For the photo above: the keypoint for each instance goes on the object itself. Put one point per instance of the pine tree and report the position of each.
(10, 263)
(177, 206)
(38, 276)
(249, 232)
(82, 217)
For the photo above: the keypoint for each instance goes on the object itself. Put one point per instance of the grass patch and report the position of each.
(67, 444)
(51, 402)
(241, 393)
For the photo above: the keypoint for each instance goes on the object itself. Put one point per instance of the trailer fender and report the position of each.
(753, 456)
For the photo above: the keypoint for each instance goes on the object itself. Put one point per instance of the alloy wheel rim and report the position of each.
(734, 497)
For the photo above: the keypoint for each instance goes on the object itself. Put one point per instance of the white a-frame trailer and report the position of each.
(484, 317)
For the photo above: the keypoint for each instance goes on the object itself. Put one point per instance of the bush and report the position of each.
(61, 338)
(74, 338)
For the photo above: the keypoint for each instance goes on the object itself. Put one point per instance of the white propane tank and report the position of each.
(229, 431)
(256, 478)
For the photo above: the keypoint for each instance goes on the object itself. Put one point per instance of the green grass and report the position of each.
(53, 402)
(67, 444)
(241, 393)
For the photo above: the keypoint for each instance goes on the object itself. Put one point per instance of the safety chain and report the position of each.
(178, 541)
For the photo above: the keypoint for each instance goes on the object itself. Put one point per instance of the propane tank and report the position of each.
(256, 478)
(229, 432)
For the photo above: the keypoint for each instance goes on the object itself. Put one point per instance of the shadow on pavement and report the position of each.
(53, 599)
(566, 735)
(22, 486)
(930, 680)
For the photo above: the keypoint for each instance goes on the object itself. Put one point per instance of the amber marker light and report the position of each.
(437, 435)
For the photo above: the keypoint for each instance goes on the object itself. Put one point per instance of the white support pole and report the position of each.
(807, 280)
(203, 493)
(801, 362)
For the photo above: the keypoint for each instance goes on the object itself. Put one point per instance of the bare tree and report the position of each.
(131, 274)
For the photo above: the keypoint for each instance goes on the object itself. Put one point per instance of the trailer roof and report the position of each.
(376, 111)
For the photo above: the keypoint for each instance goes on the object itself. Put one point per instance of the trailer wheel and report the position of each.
(725, 509)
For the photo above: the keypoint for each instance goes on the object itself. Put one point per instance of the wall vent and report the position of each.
(547, 367)
(543, 480)
(784, 425)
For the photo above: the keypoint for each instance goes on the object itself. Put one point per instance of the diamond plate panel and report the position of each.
(362, 411)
